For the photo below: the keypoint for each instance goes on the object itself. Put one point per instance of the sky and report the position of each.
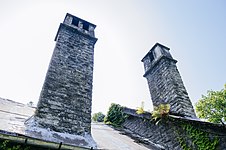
(195, 32)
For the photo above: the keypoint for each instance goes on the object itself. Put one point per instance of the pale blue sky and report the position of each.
(195, 31)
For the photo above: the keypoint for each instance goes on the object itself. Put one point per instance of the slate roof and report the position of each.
(12, 118)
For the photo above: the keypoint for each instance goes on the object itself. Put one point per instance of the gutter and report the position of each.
(33, 142)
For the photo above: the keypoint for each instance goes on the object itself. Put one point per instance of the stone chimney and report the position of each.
(64, 107)
(164, 81)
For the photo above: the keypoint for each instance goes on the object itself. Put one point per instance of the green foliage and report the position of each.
(200, 139)
(98, 117)
(5, 145)
(140, 110)
(115, 115)
(213, 106)
(160, 111)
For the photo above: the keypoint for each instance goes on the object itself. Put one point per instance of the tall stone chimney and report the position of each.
(64, 107)
(164, 81)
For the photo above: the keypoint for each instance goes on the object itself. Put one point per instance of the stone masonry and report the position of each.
(66, 98)
(164, 81)
(166, 134)
(181, 127)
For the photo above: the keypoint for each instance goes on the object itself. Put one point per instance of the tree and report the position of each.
(115, 115)
(99, 117)
(212, 106)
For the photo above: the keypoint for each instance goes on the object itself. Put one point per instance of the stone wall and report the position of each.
(64, 109)
(65, 101)
(166, 86)
(167, 134)
(164, 81)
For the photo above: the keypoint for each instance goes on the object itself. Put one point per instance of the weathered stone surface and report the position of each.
(164, 81)
(66, 97)
(165, 134)
(166, 86)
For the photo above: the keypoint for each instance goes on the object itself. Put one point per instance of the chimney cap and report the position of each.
(153, 47)
(68, 14)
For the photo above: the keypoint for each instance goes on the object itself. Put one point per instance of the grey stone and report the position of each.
(164, 81)
(166, 86)
(66, 98)
(166, 133)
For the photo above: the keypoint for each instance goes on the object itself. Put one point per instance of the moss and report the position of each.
(191, 138)
(6, 145)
